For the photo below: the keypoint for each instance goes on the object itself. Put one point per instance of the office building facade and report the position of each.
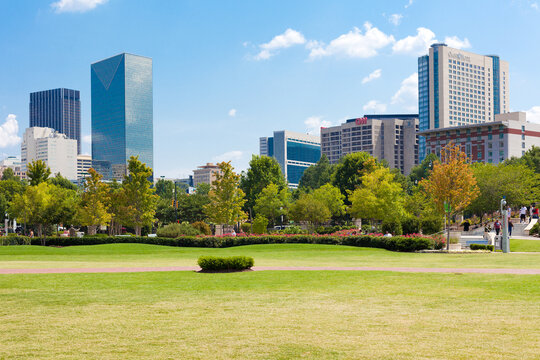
(55, 149)
(84, 163)
(58, 109)
(510, 135)
(457, 88)
(122, 113)
(13, 163)
(206, 174)
(390, 137)
(294, 152)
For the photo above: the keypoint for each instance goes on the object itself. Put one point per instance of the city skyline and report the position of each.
(227, 74)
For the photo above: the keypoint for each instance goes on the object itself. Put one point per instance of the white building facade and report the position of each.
(84, 163)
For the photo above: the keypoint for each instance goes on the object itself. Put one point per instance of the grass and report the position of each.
(129, 255)
(269, 315)
(525, 245)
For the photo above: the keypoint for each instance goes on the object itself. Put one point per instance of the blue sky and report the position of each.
(229, 72)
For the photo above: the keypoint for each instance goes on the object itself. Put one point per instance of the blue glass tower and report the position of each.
(58, 109)
(122, 113)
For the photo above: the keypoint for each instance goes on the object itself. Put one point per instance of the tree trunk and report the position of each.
(92, 229)
(138, 230)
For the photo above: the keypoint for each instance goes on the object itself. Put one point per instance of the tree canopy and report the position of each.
(317, 175)
(350, 169)
(38, 172)
(262, 171)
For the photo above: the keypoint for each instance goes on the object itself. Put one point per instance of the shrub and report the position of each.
(246, 228)
(366, 228)
(97, 235)
(293, 229)
(535, 230)
(431, 225)
(332, 229)
(392, 226)
(202, 227)
(410, 225)
(15, 240)
(233, 263)
(175, 230)
(260, 224)
(481, 247)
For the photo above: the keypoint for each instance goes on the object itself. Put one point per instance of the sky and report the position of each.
(226, 73)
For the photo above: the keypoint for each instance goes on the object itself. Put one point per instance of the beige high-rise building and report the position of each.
(389, 137)
(205, 174)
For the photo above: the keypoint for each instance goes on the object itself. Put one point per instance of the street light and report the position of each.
(6, 224)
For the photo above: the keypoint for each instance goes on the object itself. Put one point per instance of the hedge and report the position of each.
(233, 263)
(395, 243)
(481, 247)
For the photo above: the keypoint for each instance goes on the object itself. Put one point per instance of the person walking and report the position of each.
(522, 214)
(510, 227)
(534, 212)
(497, 227)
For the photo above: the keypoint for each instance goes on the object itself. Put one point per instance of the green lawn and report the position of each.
(525, 245)
(114, 255)
(270, 315)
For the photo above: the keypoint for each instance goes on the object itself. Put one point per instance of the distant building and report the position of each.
(58, 109)
(13, 163)
(52, 147)
(122, 113)
(205, 174)
(84, 163)
(188, 181)
(510, 135)
(387, 137)
(294, 152)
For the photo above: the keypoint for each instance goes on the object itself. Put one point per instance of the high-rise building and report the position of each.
(294, 152)
(58, 109)
(52, 147)
(389, 137)
(122, 113)
(205, 174)
(510, 135)
(457, 88)
(84, 163)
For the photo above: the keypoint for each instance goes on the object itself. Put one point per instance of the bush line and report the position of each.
(233, 263)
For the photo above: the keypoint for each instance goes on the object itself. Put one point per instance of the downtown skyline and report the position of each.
(227, 74)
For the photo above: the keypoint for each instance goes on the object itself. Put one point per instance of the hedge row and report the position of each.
(481, 247)
(395, 243)
(233, 263)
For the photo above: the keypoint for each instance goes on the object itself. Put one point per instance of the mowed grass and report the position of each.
(270, 315)
(133, 255)
(525, 245)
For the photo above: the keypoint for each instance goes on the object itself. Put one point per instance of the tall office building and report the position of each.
(122, 113)
(391, 137)
(457, 88)
(294, 152)
(58, 109)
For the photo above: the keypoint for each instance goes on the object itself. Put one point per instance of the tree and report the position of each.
(226, 198)
(378, 198)
(93, 208)
(272, 202)
(310, 210)
(61, 181)
(332, 198)
(140, 199)
(9, 174)
(422, 170)
(348, 172)
(165, 212)
(37, 172)
(517, 182)
(531, 159)
(117, 207)
(263, 170)
(164, 189)
(317, 175)
(9, 188)
(451, 185)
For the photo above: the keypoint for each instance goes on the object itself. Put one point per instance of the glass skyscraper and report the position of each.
(58, 109)
(122, 113)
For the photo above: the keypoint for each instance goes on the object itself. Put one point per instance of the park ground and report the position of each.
(269, 314)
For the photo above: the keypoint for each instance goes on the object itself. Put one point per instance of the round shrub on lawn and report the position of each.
(233, 263)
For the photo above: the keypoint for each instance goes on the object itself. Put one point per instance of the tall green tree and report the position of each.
(422, 170)
(191, 207)
(309, 210)
(164, 189)
(62, 182)
(531, 159)
(93, 209)
(140, 199)
(332, 198)
(9, 174)
(262, 171)
(317, 175)
(350, 169)
(38, 172)
(226, 198)
(272, 202)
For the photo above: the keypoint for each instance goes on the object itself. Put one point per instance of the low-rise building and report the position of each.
(84, 163)
(389, 137)
(13, 163)
(205, 174)
(510, 135)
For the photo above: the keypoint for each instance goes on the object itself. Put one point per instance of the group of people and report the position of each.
(532, 211)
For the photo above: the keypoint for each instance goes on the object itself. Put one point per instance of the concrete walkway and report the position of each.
(273, 268)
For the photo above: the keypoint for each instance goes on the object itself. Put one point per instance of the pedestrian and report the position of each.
(31, 233)
(497, 227)
(509, 212)
(510, 227)
(535, 213)
(466, 225)
(522, 214)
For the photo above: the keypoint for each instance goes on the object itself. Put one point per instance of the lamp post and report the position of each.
(505, 243)
(6, 224)
(175, 204)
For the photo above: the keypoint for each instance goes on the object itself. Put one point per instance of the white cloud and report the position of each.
(314, 124)
(534, 5)
(533, 114)
(408, 4)
(289, 38)
(417, 44)
(87, 139)
(61, 6)
(229, 156)
(455, 42)
(354, 44)
(374, 106)
(407, 95)
(395, 19)
(232, 112)
(9, 131)
(374, 75)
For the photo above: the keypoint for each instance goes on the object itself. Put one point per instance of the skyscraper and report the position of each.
(122, 113)
(58, 109)
(457, 87)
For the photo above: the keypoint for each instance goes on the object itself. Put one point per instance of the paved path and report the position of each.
(267, 268)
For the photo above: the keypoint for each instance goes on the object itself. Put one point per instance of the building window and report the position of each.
(523, 145)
